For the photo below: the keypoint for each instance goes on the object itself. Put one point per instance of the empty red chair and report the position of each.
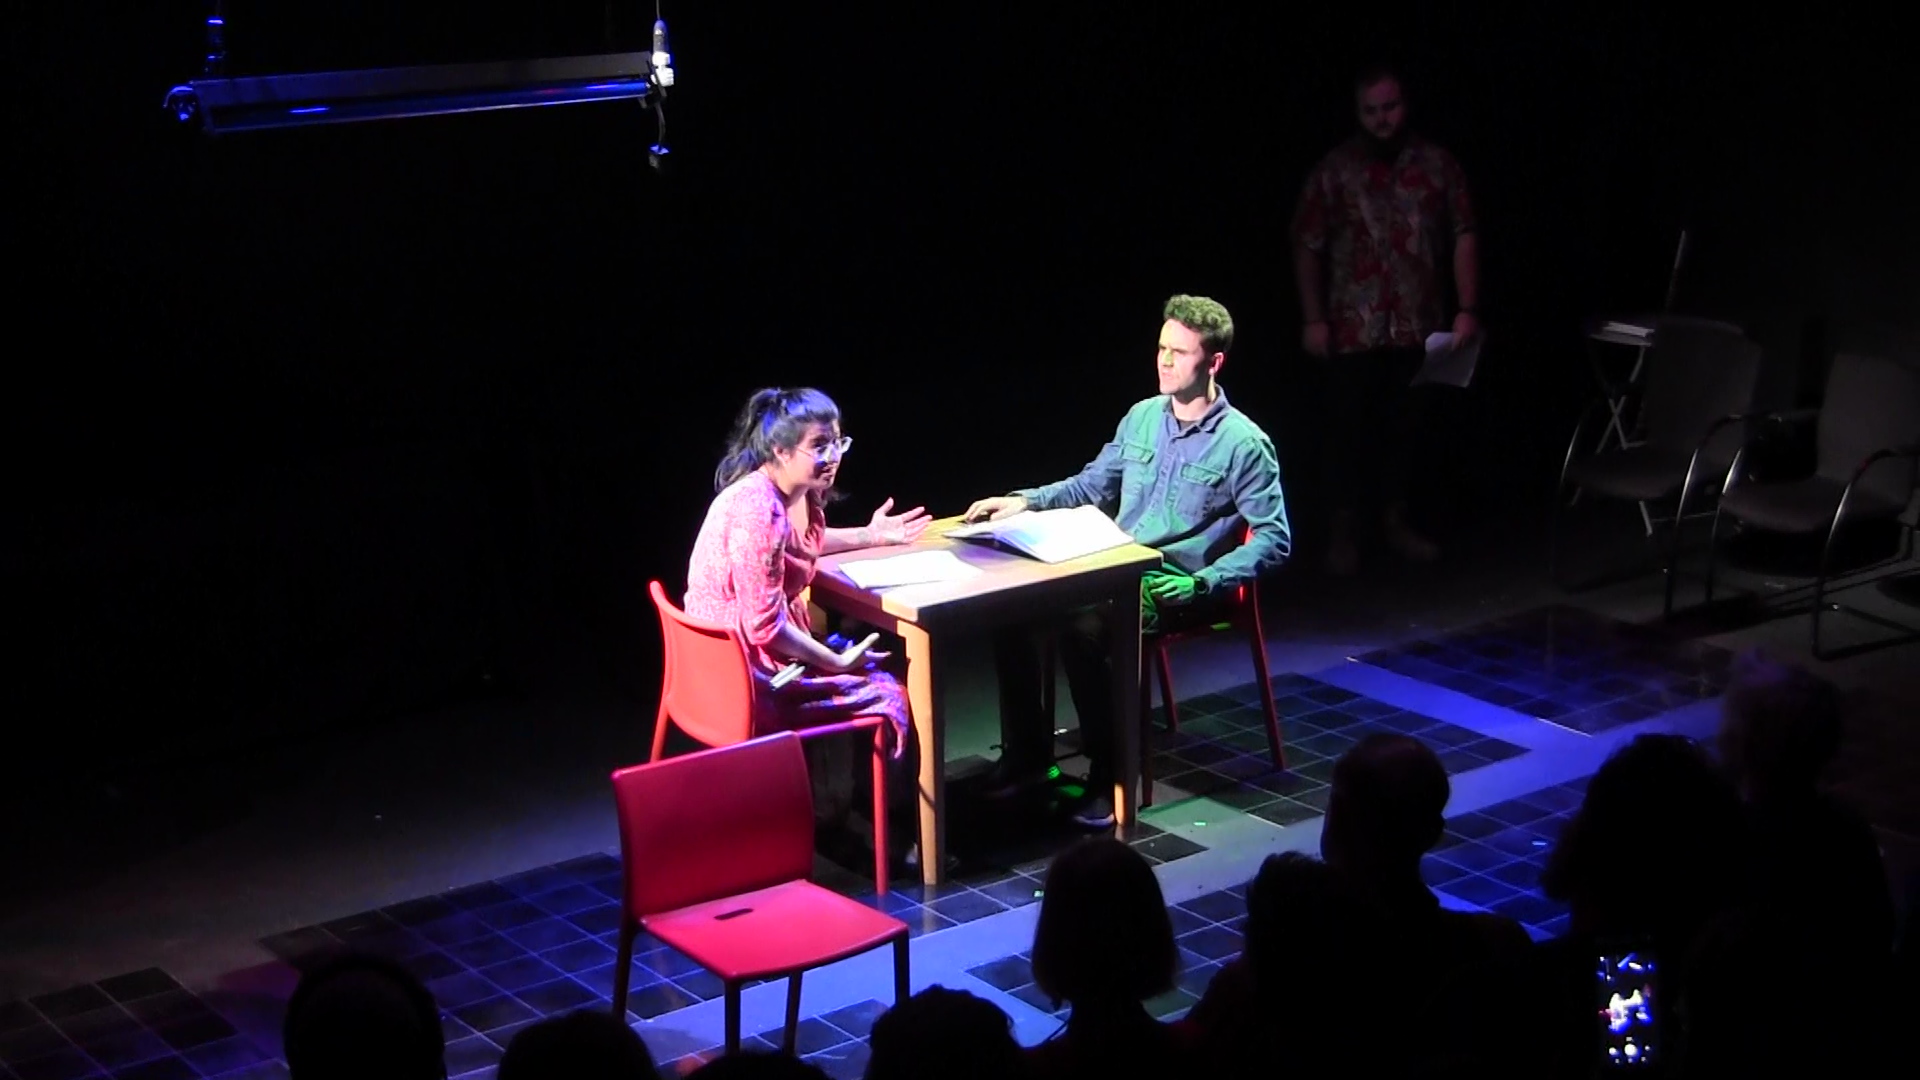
(708, 691)
(716, 849)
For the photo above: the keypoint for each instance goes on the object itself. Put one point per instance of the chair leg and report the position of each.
(623, 967)
(1554, 514)
(1167, 699)
(1820, 585)
(902, 972)
(792, 1034)
(1146, 743)
(880, 852)
(732, 1039)
(1257, 638)
(1673, 549)
(660, 734)
(1713, 551)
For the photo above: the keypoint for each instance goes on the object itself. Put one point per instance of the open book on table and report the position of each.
(1052, 536)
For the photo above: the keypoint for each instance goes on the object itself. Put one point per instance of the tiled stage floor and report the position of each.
(1522, 708)
(1567, 666)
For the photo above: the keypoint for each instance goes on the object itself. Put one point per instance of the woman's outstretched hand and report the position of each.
(902, 528)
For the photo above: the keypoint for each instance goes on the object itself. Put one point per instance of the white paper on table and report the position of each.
(1446, 365)
(1052, 536)
(913, 568)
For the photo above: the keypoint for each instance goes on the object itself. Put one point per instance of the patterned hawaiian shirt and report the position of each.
(1383, 229)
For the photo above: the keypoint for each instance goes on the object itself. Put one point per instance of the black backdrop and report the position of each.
(327, 426)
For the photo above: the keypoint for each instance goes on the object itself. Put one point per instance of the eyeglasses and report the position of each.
(835, 449)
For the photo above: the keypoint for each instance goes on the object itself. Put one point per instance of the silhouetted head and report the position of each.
(1103, 935)
(942, 1034)
(1657, 846)
(585, 1045)
(794, 435)
(1779, 727)
(757, 1065)
(363, 1018)
(1387, 807)
(1381, 108)
(1292, 891)
(1195, 337)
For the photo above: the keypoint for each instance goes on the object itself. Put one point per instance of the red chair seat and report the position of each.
(716, 848)
(773, 931)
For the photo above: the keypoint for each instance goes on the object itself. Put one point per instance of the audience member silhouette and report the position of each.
(360, 1017)
(585, 1045)
(1795, 980)
(757, 1065)
(1305, 997)
(1780, 729)
(1905, 999)
(1656, 851)
(1385, 811)
(942, 1034)
(1104, 945)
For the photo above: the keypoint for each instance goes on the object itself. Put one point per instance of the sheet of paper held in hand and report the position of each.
(1446, 365)
(913, 568)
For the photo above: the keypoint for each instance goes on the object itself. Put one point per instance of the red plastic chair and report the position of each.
(1243, 617)
(709, 692)
(716, 849)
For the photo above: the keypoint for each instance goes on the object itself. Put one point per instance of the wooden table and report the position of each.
(1011, 589)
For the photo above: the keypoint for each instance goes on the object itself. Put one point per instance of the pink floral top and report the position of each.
(749, 566)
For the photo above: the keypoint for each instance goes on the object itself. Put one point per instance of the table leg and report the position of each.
(924, 694)
(1123, 629)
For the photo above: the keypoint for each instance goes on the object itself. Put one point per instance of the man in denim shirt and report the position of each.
(1187, 474)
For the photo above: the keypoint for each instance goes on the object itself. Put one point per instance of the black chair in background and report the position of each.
(1867, 467)
(1698, 383)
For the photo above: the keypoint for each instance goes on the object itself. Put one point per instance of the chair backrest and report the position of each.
(1697, 372)
(1673, 276)
(707, 684)
(1872, 403)
(714, 823)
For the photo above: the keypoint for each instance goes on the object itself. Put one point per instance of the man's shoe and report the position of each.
(1007, 779)
(1093, 812)
(911, 862)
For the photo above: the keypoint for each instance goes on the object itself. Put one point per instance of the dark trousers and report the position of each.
(1372, 428)
(1026, 731)
(1080, 643)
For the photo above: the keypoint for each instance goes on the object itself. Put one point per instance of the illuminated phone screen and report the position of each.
(1629, 1021)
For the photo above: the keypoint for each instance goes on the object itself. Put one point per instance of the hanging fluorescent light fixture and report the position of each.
(225, 105)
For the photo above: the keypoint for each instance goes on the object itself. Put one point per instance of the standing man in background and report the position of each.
(1378, 216)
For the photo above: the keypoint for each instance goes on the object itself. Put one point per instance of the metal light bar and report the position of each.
(258, 103)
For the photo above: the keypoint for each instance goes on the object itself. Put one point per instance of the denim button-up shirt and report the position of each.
(1189, 490)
